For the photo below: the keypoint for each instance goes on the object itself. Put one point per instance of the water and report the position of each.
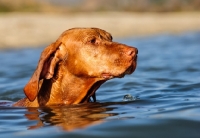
(163, 95)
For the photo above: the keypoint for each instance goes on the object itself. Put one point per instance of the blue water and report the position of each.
(165, 90)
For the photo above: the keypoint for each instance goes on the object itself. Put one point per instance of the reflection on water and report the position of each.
(65, 117)
(69, 117)
(163, 95)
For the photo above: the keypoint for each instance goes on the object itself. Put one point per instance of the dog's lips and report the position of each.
(132, 67)
(130, 70)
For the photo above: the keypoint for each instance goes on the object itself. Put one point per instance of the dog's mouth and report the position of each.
(108, 76)
(131, 68)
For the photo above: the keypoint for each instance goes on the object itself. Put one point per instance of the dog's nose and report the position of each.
(136, 50)
(132, 51)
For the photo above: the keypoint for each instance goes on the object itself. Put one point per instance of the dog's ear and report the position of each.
(50, 56)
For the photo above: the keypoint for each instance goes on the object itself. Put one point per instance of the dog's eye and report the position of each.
(93, 40)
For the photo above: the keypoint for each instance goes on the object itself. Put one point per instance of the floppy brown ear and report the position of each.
(45, 69)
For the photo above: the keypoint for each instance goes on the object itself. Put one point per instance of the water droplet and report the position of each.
(129, 97)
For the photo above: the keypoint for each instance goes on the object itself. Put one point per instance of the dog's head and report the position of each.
(83, 52)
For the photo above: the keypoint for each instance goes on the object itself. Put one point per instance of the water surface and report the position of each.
(165, 89)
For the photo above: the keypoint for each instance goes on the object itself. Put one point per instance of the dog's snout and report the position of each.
(132, 51)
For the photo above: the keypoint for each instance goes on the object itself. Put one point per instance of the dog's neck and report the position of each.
(66, 88)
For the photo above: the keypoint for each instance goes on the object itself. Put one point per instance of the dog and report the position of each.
(71, 69)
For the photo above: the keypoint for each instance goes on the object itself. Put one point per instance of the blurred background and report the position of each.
(34, 22)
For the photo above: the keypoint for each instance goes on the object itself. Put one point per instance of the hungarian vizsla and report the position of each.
(71, 69)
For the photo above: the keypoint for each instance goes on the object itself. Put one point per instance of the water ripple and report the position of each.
(166, 85)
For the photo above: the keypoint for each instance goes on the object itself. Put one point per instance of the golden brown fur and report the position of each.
(71, 69)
